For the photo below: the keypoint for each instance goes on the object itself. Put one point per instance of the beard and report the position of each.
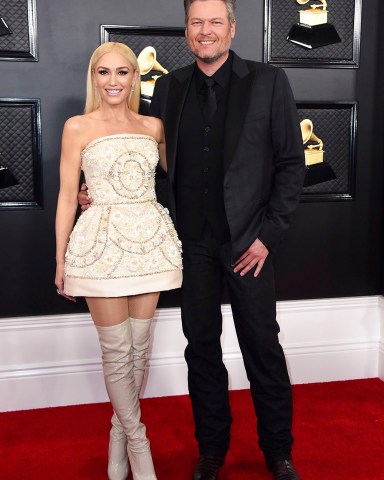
(209, 58)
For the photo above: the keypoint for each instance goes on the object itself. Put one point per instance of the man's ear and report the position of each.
(233, 29)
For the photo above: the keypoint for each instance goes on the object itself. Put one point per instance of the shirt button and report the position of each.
(205, 169)
(206, 149)
(207, 129)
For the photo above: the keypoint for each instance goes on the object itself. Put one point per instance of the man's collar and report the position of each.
(221, 76)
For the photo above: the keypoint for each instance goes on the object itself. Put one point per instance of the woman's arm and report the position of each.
(162, 150)
(155, 128)
(70, 166)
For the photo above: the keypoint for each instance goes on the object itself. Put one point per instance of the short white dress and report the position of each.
(125, 243)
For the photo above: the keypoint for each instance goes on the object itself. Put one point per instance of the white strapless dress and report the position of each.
(125, 243)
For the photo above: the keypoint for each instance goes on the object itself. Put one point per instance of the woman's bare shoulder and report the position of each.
(79, 122)
(80, 127)
(154, 121)
(154, 127)
(75, 124)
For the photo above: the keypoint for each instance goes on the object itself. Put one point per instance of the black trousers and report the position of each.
(207, 265)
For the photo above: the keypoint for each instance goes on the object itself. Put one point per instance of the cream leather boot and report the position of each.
(118, 466)
(140, 329)
(116, 347)
(140, 343)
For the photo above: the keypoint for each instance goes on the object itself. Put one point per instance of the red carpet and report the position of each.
(338, 429)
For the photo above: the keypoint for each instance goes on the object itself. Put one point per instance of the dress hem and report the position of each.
(122, 287)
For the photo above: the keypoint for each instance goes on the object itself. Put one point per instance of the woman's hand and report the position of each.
(59, 282)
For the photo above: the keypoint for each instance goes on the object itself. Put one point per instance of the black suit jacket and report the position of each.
(263, 149)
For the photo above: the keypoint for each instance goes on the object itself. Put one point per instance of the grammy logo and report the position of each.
(148, 65)
(317, 170)
(313, 29)
(313, 152)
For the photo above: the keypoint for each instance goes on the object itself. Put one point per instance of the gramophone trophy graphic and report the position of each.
(313, 29)
(149, 66)
(316, 169)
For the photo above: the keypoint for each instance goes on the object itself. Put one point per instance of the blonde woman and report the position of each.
(124, 249)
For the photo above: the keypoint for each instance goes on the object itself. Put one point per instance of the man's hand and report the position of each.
(255, 255)
(83, 198)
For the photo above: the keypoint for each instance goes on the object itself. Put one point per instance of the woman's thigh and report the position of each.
(106, 312)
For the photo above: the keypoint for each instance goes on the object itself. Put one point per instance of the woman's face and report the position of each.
(114, 77)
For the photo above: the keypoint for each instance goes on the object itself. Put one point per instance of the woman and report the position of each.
(124, 249)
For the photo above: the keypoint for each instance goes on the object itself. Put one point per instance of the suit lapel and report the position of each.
(176, 97)
(238, 103)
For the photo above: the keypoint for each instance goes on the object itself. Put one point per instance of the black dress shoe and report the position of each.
(283, 470)
(208, 467)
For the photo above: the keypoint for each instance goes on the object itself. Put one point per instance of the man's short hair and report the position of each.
(229, 4)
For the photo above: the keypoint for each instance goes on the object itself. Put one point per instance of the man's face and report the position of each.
(208, 31)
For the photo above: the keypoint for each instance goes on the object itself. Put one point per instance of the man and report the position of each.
(235, 172)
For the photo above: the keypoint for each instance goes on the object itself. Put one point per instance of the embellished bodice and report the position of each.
(125, 242)
(120, 169)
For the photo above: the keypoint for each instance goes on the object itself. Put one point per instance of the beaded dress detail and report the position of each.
(125, 243)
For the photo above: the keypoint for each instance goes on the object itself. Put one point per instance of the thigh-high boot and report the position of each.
(118, 467)
(116, 346)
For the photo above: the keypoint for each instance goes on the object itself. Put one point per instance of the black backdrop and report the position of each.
(333, 249)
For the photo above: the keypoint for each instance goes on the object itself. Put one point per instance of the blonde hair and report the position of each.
(93, 101)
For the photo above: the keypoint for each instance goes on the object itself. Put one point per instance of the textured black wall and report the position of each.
(333, 248)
